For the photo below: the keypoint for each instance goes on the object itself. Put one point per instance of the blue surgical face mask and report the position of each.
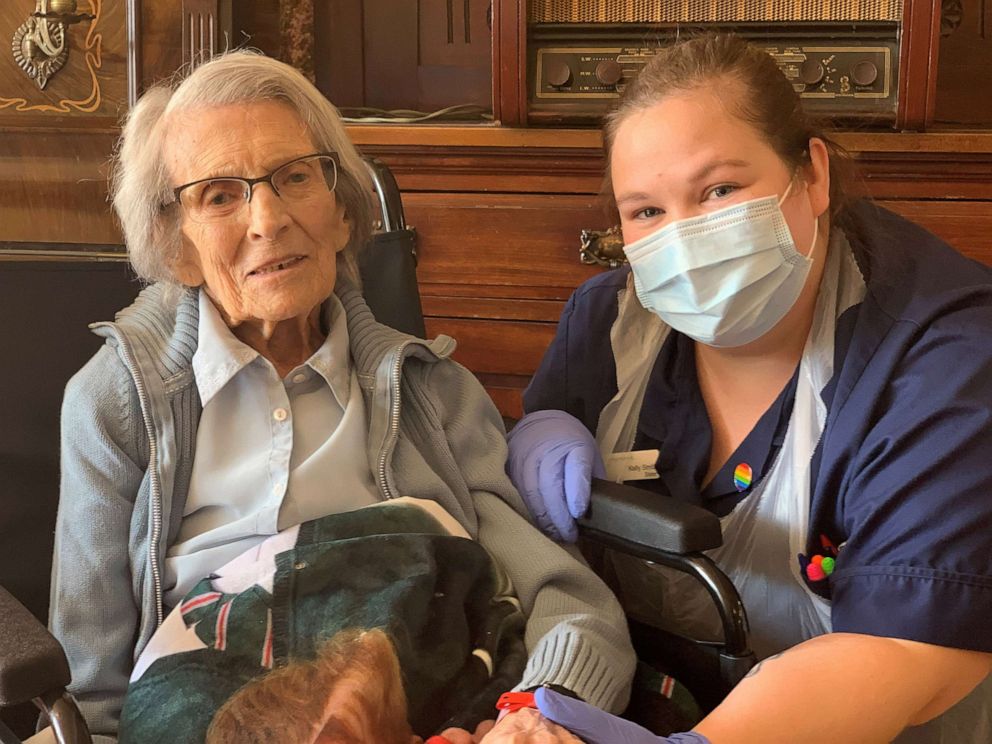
(725, 278)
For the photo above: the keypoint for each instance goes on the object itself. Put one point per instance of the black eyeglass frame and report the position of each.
(252, 182)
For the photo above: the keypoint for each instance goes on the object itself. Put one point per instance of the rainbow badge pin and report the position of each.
(742, 477)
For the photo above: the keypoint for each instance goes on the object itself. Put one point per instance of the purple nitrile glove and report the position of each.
(595, 726)
(551, 461)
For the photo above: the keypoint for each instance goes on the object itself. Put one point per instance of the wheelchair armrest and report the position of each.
(673, 533)
(650, 521)
(32, 662)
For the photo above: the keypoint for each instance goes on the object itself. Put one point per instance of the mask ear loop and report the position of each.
(816, 221)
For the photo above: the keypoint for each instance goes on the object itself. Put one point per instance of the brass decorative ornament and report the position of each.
(40, 44)
(602, 247)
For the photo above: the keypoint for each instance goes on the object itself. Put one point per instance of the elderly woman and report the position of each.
(249, 389)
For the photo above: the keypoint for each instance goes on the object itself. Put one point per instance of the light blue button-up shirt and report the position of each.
(271, 452)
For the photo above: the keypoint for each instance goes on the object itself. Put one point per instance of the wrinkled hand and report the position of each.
(595, 726)
(551, 461)
(528, 726)
(461, 736)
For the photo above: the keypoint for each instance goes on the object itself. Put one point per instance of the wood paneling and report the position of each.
(509, 61)
(966, 225)
(256, 25)
(339, 52)
(964, 75)
(918, 63)
(496, 347)
(160, 41)
(963, 78)
(501, 239)
(53, 187)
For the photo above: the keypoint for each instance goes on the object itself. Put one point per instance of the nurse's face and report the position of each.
(687, 155)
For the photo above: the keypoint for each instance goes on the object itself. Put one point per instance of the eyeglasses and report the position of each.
(215, 199)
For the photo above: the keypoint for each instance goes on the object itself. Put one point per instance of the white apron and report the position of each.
(766, 531)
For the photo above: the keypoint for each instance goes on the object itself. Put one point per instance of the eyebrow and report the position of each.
(221, 173)
(710, 167)
(699, 175)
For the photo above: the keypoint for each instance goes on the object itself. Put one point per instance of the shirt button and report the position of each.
(298, 378)
(280, 414)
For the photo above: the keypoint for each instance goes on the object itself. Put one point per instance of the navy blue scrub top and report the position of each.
(902, 475)
(674, 421)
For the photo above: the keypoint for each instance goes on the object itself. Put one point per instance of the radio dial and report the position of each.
(559, 74)
(811, 72)
(608, 72)
(864, 73)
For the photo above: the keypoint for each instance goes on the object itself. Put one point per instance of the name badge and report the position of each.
(630, 466)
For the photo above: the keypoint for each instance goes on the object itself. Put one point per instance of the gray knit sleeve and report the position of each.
(93, 612)
(576, 632)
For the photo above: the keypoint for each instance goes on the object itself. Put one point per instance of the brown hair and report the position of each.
(764, 99)
(288, 704)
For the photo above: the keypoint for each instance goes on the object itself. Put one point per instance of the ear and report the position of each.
(187, 266)
(340, 225)
(346, 226)
(818, 177)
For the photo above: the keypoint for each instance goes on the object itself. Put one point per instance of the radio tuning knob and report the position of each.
(864, 73)
(558, 73)
(811, 72)
(609, 72)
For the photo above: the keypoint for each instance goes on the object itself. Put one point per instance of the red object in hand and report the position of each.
(511, 702)
(437, 740)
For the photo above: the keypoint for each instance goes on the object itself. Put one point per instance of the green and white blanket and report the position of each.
(404, 566)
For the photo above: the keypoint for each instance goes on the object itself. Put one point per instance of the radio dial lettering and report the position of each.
(608, 72)
(559, 74)
(864, 73)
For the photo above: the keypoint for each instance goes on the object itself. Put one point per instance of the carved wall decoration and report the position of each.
(40, 47)
(201, 31)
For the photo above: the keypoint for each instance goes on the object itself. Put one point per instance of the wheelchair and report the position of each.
(45, 300)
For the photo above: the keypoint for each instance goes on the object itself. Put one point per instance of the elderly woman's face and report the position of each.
(274, 260)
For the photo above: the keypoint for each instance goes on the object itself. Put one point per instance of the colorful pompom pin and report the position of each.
(818, 567)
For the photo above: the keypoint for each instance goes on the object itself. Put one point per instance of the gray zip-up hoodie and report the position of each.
(129, 422)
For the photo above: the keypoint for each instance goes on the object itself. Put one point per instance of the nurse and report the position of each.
(814, 370)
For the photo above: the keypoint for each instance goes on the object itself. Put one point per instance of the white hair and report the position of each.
(140, 186)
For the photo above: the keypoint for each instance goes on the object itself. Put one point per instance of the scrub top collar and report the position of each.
(674, 421)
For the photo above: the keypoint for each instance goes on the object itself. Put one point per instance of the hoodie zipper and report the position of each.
(394, 419)
(153, 475)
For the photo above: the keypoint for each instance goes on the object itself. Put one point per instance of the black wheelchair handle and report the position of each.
(672, 533)
(651, 520)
